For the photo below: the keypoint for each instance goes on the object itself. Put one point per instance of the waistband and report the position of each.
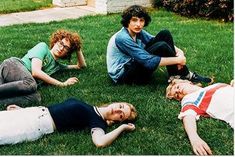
(46, 123)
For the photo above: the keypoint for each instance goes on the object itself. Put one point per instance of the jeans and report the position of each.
(25, 124)
(17, 85)
(163, 45)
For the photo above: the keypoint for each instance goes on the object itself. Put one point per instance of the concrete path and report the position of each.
(46, 15)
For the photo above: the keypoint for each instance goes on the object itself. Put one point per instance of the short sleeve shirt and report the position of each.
(214, 101)
(42, 52)
(74, 114)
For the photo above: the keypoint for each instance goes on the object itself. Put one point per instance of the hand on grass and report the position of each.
(200, 147)
(70, 81)
(129, 127)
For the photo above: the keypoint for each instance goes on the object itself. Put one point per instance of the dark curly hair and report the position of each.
(72, 37)
(137, 11)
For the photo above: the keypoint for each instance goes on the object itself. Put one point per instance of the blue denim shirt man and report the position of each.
(133, 54)
(122, 50)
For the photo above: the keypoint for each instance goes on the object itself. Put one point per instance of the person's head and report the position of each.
(65, 43)
(178, 88)
(135, 11)
(120, 112)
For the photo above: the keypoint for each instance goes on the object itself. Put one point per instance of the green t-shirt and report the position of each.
(42, 52)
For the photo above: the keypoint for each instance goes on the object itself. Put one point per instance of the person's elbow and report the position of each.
(83, 65)
(35, 73)
(100, 144)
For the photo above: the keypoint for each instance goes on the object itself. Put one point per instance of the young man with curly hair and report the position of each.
(133, 54)
(18, 76)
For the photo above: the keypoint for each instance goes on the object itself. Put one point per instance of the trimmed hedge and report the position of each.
(211, 9)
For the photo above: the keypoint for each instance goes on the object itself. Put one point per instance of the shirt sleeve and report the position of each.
(93, 129)
(39, 51)
(127, 45)
(188, 112)
(191, 109)
(97, 122)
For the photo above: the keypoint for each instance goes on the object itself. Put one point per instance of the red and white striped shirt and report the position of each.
(216, 101)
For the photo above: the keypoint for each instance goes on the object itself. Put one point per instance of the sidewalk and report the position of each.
(45, 15)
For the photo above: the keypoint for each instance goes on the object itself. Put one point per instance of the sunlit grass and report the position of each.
(208, 46)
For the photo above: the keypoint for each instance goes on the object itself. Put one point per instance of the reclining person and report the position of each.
(29, 124)
(216, 101)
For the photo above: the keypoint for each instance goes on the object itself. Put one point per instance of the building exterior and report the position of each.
(103, 6)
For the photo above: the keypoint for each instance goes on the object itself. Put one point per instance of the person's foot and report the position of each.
(171, 78)
(13, 107)
(193, 77)
(197, 78)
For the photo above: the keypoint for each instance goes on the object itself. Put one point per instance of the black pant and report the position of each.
(162, 45)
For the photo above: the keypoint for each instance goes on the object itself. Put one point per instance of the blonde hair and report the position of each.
(176, 81)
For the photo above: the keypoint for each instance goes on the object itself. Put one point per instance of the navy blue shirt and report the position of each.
(73, 114)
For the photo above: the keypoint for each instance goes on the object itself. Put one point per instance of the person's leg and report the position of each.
(15, 79)
(162, 45)
(34, 98)
(135, 73)
(26, 124)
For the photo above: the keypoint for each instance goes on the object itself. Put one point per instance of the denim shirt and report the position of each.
(122, 50)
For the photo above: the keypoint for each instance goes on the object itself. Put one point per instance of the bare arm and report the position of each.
(199, 146)
(179, 52)
(39, 74)
(180, 60)
(100, 139)
(81, 63)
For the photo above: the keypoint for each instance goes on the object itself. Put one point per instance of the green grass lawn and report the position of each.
(10, 6)
(209, 50)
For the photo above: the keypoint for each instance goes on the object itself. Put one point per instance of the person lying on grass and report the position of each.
(17, 76)
(133, 54)
(29, 124)
(216, 101)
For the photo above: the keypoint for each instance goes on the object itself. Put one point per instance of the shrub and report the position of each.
(212, 9)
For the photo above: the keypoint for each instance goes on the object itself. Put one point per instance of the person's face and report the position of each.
(179, 90)
(61, 48)
(136, 25)
(119, 111)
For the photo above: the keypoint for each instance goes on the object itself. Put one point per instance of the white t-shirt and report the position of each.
(216, 101)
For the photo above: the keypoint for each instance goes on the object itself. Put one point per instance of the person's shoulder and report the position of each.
(145, 33)
(42, 44)
(122, 35)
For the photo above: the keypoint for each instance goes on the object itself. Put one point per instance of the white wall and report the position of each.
(114, 6)
(69, 3)
(105, 6)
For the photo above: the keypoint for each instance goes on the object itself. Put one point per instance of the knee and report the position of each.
(29, 86)
(165, 32)
(166, 49)
(35, 98)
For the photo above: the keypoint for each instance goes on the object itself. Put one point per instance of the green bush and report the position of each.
(211, 9)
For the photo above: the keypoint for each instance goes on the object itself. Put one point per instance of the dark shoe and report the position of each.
(197, 78)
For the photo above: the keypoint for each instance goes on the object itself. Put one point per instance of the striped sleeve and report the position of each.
(191, 109)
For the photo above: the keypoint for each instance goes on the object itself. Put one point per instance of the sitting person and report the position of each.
(17, 76)
(133, 54)
(216, 101)
(29, 124)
